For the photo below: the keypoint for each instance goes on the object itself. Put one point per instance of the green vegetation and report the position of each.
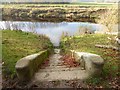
(18, 44)
(65, 5)
(86, 43)
(94, 4)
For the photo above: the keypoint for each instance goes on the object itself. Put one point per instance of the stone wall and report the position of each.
(92, 63)
(27, 66)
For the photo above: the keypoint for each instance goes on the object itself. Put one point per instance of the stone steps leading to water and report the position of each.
(52, 69)
(60, 75)
(55, 70)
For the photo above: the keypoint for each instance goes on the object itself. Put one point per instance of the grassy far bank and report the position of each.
(82, 12)
(70, 4)
(86, 43)
(18, 44)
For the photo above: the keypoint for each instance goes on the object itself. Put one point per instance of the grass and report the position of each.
(18, 44)
(86, 43)
(93, 4)
(104, 5)
(81, 3)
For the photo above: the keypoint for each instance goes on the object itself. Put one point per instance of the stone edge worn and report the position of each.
(27, 66)
(92, 63)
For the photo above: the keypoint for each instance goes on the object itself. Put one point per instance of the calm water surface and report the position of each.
(53, 30)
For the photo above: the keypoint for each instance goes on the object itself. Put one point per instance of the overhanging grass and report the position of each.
(18, 44)
(86, 43)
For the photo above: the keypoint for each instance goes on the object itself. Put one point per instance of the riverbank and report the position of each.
(53, 12)
(16, 45)
(87, 43)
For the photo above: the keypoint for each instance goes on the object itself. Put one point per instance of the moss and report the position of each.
(18, 44)
(28, 65)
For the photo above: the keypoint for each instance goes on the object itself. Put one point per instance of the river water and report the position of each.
(53, 30)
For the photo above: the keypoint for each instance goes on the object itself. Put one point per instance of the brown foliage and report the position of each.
(69, 61)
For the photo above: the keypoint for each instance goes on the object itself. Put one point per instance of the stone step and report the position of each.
(56, 51)
(61, 75)
(59, 69)
(59, 64)
(52, 67)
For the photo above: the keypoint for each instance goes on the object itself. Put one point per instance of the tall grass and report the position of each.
(110, 18)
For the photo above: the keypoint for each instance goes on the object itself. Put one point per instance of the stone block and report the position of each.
(92, 63)
(27, 66)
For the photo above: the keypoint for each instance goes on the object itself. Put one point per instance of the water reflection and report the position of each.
(53, 30)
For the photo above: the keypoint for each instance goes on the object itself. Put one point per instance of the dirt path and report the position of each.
(56, 72)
